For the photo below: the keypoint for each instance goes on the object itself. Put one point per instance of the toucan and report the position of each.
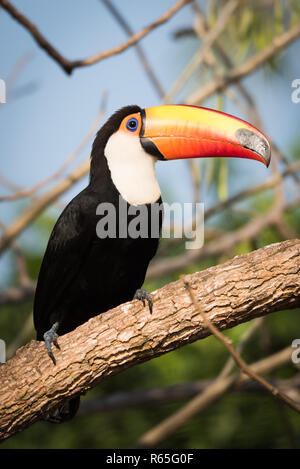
(82, 274)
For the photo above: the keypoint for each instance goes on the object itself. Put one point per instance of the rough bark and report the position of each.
(243, 288)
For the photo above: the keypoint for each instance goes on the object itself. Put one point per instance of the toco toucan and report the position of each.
(82, 274)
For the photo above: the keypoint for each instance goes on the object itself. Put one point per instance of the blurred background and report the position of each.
(238, 57)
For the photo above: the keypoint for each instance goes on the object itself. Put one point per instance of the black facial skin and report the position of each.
(147, 143)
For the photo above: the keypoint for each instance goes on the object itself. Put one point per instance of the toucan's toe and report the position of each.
(143, 295)
(50, 337)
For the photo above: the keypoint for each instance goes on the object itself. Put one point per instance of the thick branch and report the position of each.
(246, 287)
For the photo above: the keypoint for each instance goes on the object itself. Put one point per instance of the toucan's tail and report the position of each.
(63, 412)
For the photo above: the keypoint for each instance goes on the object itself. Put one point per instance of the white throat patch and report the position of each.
(132, 169)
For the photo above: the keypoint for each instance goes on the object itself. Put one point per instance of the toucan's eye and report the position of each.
(132, 124)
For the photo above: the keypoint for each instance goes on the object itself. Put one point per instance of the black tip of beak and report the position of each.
(255, 142)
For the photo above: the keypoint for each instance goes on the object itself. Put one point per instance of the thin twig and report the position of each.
(11, 232)
(254, 190)
(228, 367)
(21, 267)
(40, 204)
(17, 294)
(247, 67)
(21, 337)
(201, 28)
(210, 394)
(177, 392)
(223, 244)
(139, 50)
(208, 40)
(217, 389)
(236, 356)
(227, 240)
(251, 109)
(23, 278)
(58, 173)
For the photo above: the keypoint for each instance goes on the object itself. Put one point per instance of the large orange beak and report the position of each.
(176, 131)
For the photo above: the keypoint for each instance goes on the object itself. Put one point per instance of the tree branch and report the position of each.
(210, 37)
(17, 226)
(178, 392)
(139, 50)
(215, 247)
(244, 367)
(17, 294)
(20, 193)
(69, 65)
(215, 391)
(246, 287)
(246, 68)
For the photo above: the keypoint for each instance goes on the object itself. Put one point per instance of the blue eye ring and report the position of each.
(132, 124)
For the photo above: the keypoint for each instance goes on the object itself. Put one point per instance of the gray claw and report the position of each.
(50, 337)
(144, 295)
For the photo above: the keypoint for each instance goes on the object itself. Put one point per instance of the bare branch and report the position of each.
(139, 50)
(21, 267)
(12, 231)
(220, 245)
(246, 68)
(226, 241)
(178, 392)
(208, 40)
(22, 336)
(20, 193)
(254, 190)
(14, 295)
(201, 28)
(211, 393)
(69, 65)
(237, 358)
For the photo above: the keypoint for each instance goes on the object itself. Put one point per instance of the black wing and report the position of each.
(67, 249)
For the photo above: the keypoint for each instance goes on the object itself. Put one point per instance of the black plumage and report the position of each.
(81, 275)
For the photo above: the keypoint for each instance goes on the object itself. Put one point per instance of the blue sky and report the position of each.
(39, 130)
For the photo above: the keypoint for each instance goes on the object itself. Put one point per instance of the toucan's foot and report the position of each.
(143, 295)
(50, 337)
